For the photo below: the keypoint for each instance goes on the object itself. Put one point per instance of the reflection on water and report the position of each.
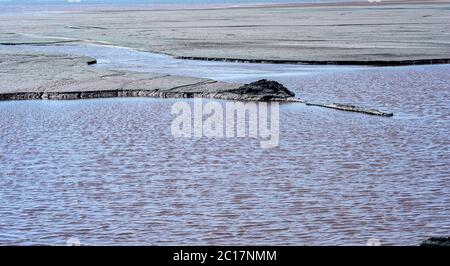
(109, 171)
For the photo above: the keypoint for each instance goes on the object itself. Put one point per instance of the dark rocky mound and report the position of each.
(266, 90)
(436, 242)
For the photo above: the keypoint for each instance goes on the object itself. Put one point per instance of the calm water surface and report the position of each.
(108, 171)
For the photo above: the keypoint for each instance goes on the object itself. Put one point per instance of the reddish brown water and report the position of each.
(109, 171)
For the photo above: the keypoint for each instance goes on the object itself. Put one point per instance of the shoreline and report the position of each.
(378, 63)
(438, 61)
(99, 94)
(78, 80)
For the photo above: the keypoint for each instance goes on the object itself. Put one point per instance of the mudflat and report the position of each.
(385, 33)
(52, 76)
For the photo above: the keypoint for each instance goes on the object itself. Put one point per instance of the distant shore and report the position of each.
(322, 33)
(202, 6)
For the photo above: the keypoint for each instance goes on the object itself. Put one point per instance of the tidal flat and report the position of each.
(390, 31)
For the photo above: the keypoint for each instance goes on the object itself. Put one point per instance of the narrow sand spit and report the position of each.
(43, 76)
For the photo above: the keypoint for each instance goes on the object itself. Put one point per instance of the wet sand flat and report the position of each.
(353, 33)
(56, 76)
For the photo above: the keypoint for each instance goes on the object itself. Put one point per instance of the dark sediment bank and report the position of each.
(342, 62)
(40, 43)
(58, 76)
(262, 90)
(75, 95)
(265, 90)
